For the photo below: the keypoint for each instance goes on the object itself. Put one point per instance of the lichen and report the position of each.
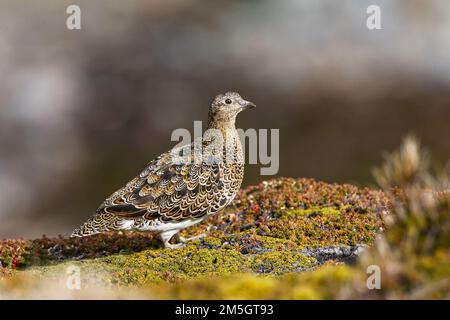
(312, 212)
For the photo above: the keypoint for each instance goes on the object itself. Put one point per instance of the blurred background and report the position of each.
(83, 111)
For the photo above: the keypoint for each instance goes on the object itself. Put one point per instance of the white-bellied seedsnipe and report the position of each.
(183, 186)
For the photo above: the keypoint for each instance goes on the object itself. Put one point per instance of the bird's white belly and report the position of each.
(159, 226)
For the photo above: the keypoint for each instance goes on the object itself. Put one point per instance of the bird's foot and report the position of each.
(183, 240)
(165, 238)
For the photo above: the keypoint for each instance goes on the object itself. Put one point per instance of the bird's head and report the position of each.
(225, 107)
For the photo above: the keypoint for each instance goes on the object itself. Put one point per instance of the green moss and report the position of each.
(324, 283)
(273, 243)
(152, 266)
(279, 262)
(211, 241)
(246, 287)
(325, 211)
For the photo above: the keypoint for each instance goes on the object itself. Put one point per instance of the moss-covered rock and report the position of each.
(277, 227)
(278, 215)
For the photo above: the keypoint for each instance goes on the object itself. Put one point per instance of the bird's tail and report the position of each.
(93, 225)
(86, 229)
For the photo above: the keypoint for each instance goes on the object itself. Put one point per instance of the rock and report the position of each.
(339, 253)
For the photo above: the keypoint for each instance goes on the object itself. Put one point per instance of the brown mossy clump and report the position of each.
(20, 253)
(14, 253)
(272, 199)
(301, 212)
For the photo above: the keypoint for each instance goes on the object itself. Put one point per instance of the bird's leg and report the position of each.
(166, 236)
(181, 239)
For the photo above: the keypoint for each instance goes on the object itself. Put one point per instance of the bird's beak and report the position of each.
(246, 105)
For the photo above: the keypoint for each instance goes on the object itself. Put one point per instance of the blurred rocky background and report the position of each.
(83, 111)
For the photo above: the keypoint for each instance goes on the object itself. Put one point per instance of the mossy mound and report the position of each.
(279, 226)
(259, 247)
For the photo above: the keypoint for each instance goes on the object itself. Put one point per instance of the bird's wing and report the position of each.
(168, 189)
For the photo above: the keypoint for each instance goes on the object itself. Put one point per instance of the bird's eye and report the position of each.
(228, 101)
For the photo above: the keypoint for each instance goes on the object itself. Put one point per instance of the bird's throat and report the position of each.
(222, 125)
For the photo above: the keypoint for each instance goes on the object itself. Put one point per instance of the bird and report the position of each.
(181, 187)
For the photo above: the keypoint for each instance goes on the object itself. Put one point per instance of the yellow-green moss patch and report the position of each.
(152, 266)
(312, 212)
